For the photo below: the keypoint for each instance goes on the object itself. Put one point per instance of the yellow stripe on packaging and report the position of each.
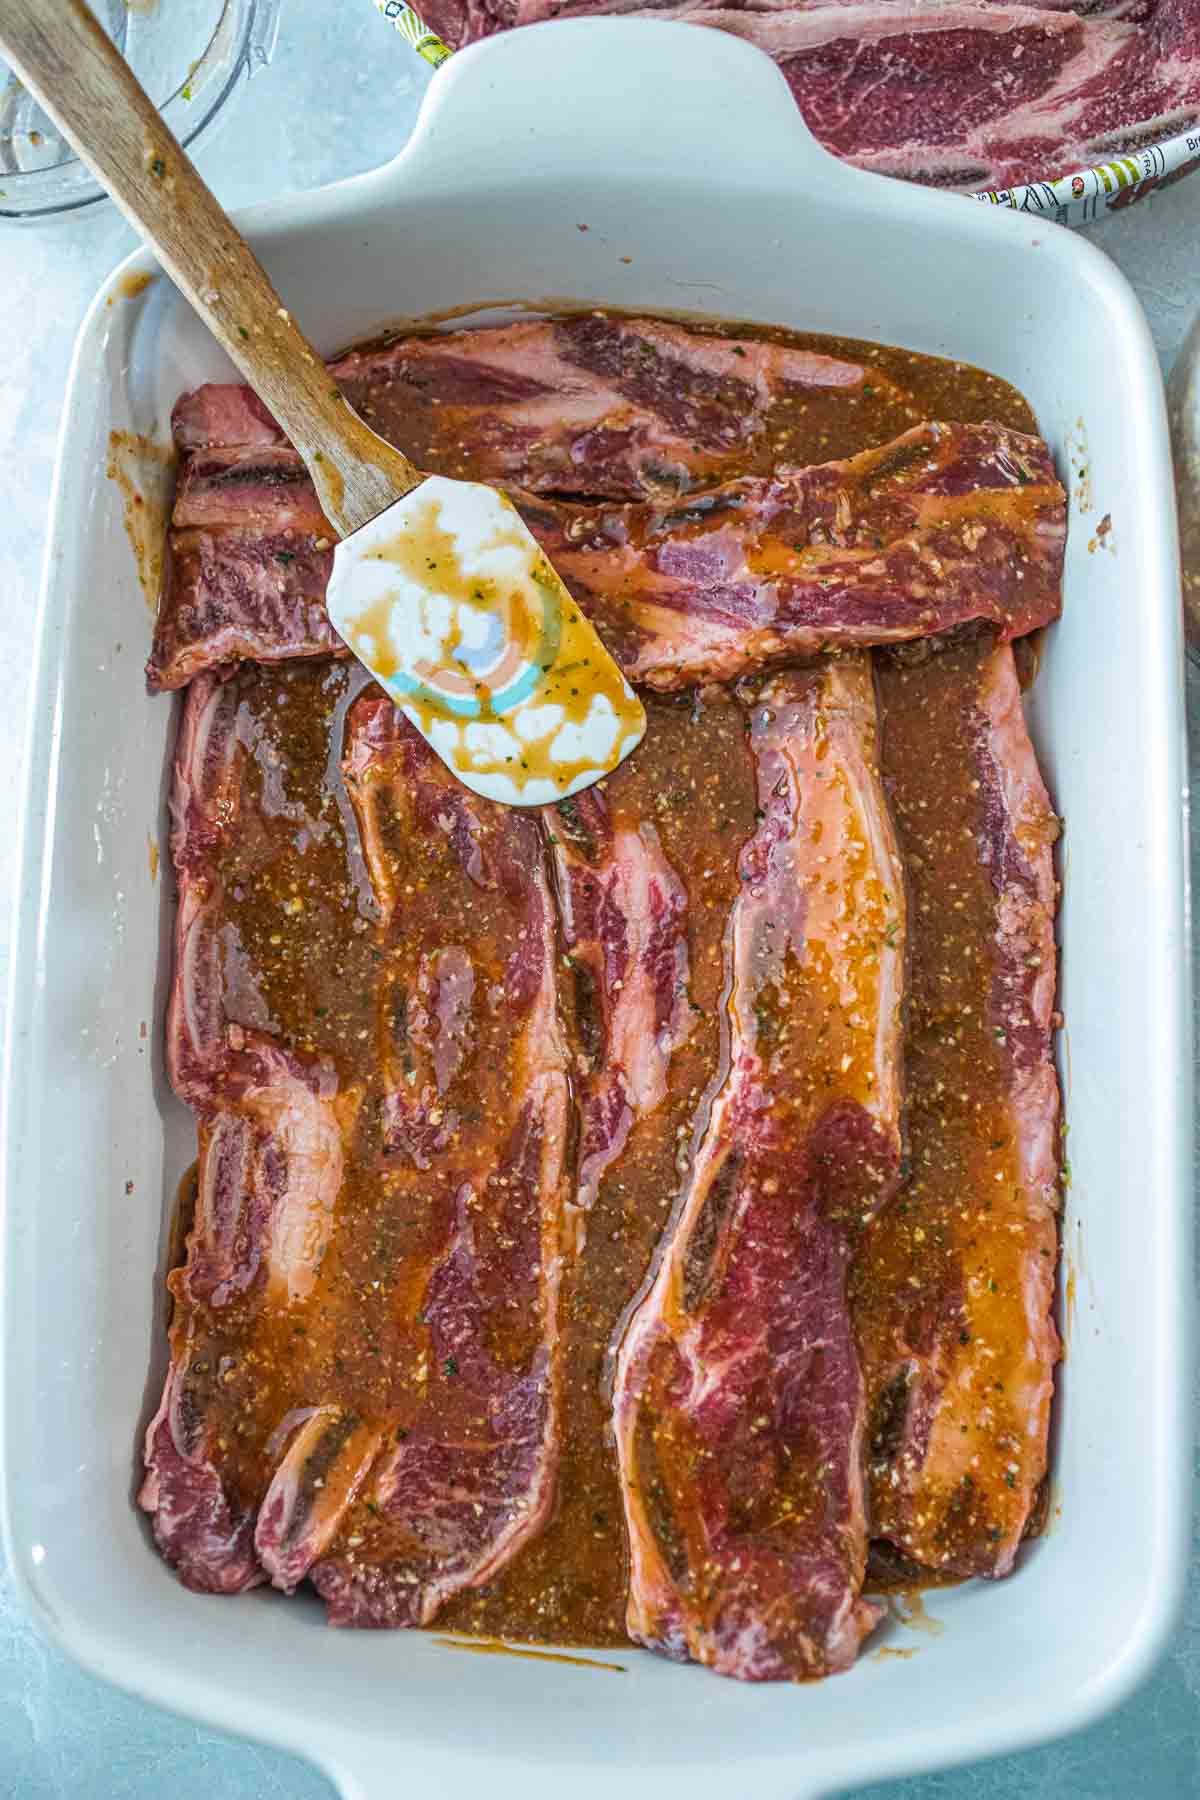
(415, 31)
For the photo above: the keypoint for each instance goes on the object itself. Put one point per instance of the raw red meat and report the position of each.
(947, 525)
(269, 1173)
(954, 1287)
(739, 1406)
(208, 1542)
(442, 1052)
(219, 1043)
(592, 403)
(652, 863)
(452, 1496)
(970, 96)
(235, 595)
(624, 926)
(364, 1381)
(222, 413)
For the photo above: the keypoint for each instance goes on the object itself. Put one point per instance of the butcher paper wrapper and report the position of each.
(1088, 194)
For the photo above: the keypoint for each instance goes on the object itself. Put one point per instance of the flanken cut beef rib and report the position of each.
(468, 1477)
(590, 404)
(739, 1406)
(954, 1287)
(947, 525)
(624, 925)
(364, 1380)
(963, 95)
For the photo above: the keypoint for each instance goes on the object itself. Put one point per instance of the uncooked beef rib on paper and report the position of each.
(970, 96)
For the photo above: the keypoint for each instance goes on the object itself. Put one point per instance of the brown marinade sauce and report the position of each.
(692, 777)
(302, 948)
(819, 424)
(828, 423)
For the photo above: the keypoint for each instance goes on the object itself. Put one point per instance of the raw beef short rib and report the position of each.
(364, 1386)
(592, 403)
(945, 526)
(739, 1406)
(624, 924)
(468, 1477)
(965, 96)
(953, 1290)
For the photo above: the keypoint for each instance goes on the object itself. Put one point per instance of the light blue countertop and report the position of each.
(340, 96)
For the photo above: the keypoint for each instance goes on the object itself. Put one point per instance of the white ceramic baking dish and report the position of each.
(647, 167)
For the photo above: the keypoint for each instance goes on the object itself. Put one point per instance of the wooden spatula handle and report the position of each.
(85, 85)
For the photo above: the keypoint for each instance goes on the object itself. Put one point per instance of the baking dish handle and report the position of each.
(394, 1771)
(584, 97)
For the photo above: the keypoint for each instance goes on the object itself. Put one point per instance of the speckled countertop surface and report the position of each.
(339, 97)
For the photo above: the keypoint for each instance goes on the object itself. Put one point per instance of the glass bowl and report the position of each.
(191, 56)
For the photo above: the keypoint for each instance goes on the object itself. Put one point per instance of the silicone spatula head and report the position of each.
(449, 600)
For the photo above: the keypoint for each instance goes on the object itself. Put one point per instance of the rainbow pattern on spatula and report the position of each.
(451, 602)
